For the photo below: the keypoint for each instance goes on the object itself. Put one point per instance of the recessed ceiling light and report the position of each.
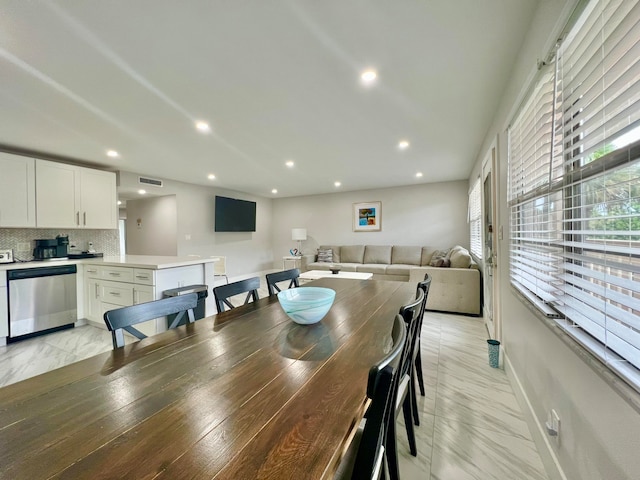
(203, 127)
(275, 190)
(112, 154)
(419, 175)
(337, 184)
(142, 192)
(119, 202)
(290, 163)
(211, 176)
(403, 144)
(369, 76)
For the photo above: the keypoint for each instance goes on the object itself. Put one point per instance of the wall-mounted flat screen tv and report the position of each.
(233, 215)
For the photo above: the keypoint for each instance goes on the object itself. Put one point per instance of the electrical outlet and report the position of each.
(553, 424)
(24, 247)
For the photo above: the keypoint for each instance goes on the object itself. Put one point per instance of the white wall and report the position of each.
(600, 428)
(245, 252)
(427, 214)
(152, 226)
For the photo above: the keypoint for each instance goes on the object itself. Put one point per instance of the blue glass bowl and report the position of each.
(306, 305)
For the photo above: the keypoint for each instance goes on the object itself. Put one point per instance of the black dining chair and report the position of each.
(404, 395)
(424, 286)
(365, 456)
(122, 319)
(222, 293)
(274, 278)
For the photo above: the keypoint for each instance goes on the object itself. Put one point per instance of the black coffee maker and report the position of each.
(47, 249)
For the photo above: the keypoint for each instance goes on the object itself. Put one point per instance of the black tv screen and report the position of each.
(233, 215)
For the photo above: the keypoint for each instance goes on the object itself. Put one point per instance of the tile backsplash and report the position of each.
(105, 241)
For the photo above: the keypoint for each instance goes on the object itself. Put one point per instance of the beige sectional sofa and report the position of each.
(453, 289)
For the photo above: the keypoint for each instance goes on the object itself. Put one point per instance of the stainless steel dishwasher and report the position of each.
(41, 298)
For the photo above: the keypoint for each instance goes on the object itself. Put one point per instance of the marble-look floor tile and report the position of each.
(468, 403)
(464, 452)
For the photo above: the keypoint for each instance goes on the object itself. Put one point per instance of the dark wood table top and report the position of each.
(246, 394)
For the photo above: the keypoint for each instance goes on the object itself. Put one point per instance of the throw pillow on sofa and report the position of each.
(325, 256)
(438, 258)
(460, 257)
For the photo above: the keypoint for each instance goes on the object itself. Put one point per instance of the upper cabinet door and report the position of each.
(98, 199)
(17, 191)
(56, 204)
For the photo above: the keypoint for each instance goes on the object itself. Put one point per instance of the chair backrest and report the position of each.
(222, 293)
(424, 287)
(411, 315)
(382, 378)
(274, 278)
(124, 318)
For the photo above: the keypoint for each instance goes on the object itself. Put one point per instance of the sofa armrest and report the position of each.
(305, 260)
(452, 289)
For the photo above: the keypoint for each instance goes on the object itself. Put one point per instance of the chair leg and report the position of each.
(414, 398)
(408, 423)
(391, 450)
(419, 370)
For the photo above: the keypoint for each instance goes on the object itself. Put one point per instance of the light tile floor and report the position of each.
(471, 424)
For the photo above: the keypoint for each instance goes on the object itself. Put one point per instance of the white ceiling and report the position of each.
(277, 80)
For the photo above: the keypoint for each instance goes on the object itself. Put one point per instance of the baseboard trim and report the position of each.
(540, 438)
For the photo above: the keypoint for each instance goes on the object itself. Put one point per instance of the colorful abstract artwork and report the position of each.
(367, 216)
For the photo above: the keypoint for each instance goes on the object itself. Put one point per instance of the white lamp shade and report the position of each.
(298, 234)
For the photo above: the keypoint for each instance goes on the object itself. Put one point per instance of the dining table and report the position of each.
(245, 394)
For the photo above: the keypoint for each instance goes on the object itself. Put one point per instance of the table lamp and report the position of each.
(299, 234)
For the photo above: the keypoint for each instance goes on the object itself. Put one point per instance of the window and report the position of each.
(574, 186)
(475, 220)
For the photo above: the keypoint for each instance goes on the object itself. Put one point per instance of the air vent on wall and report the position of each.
(150, 181)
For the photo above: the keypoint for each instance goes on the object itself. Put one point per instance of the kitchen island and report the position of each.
(111, 282)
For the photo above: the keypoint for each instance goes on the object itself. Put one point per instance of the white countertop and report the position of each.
(154, 262)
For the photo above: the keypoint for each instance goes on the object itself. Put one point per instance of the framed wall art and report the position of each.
(367, 217)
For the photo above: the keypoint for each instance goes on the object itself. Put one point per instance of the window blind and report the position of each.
(599, 71)
(575, 241)
(475, 220)
(534, 249)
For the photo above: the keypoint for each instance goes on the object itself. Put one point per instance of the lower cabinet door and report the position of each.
(93, 304)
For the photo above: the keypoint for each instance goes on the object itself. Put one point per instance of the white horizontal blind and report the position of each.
(535, 210)
(599, 74)
(475, 220)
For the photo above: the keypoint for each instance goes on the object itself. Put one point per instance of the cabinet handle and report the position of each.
(97, 291)
(115, 294)
(92, 271)
(114, 274)
(143, 277)
(77, 218)
(84, 218)
(135, 296)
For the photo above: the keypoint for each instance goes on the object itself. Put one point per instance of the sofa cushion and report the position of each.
(335, 251)
(349, 267)
(460, 257)
(399, 269)
(427, 253)
(351, 254)
(325, 255)
(406, 255)
(437, 258)
(319, 266)
(377, 254)
(379, 268)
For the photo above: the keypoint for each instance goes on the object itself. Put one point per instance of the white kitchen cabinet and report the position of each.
(4, 314)
(68, 196)
(110, 287)
(17, 191)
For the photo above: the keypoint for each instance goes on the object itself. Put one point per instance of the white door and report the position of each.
(56, 195)
(17, 191)
(98, 199)
(489, 216)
